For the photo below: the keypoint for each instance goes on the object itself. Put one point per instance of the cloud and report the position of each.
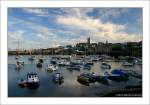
(78, 18)
(110, 31)
(77, 12)
(15, 36)
(30, 25)
(37, 11)
(112, 12)
(116, 37)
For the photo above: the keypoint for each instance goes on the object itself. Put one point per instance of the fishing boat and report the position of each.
(51, 67)
(32, 80)
(58, 78)
(105, 66)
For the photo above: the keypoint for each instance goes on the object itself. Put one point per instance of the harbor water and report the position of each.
(71, 87)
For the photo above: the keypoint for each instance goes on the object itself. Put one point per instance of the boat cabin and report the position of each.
(32, 77)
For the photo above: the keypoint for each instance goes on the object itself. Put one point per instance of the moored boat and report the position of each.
(63, 63)
(116, 75)
(58, 78)
(127, 64)
(19, 64)
(53, 61)
(86, 77)
(74, 67)
(32, 80)
(105, 66)
(119, 72)
(41, 60)
(89, 63)
(86, 66)
(51, 67)
(31, 58)
(83, 80)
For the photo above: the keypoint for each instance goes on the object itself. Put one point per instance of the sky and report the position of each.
(53, 27)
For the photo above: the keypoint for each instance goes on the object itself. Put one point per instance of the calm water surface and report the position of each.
(70, 87)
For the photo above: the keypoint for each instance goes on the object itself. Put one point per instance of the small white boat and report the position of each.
(19, 64)
(51, 67)
(63, 63)
(105, 66)
(127, 64)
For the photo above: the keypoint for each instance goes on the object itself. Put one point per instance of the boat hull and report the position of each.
(118, 78)
(33, 85)
(39, 65)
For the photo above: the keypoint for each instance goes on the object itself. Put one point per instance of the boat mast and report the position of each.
(17, 49)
